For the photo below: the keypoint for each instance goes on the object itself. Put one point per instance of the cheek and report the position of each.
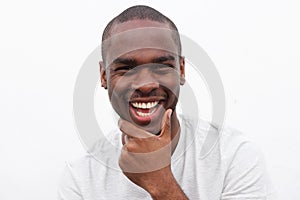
(172, 86)
(119, 85)
(114, 83)
(117, 90)
(172, 82)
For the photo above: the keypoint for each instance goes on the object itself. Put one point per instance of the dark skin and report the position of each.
(146, 75)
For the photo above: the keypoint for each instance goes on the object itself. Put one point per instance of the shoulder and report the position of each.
(211, 138)
(102, 155)
(241, 162)
(246, 175)
(235, 145)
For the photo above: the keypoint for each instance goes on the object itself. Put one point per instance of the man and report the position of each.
(158, 152)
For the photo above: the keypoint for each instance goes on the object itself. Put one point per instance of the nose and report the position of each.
(145, 81)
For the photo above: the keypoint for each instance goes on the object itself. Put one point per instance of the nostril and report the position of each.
(146, 88)
(144, 81)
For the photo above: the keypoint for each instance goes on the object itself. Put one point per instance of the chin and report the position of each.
(154, 131)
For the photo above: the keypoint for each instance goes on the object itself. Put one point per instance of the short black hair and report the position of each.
(140, 12)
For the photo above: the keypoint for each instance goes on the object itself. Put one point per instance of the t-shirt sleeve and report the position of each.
(68, 188)
(246, 176)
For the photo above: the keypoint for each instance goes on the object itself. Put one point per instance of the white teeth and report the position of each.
(145, 114)
(144, 105)
(134, 104)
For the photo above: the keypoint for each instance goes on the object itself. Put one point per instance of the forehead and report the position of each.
(137, 23)
(136, 35)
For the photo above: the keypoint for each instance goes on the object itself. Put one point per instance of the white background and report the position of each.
(254, 44)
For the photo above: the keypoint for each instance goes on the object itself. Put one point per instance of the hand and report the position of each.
(145, 158)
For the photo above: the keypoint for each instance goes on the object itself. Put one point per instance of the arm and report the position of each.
(146, 159)
(168, 190)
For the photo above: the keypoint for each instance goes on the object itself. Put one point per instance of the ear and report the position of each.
(103, 75)
(182, 70)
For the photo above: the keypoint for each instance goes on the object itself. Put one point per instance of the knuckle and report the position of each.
(130, 146)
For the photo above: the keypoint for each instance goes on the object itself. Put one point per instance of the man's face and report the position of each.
(142, 82)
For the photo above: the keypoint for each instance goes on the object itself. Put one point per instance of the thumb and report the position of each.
(166, 123)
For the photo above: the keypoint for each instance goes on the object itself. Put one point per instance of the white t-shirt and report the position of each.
(231, 168)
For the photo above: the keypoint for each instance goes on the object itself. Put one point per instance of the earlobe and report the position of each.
(182, 70)
(103, 75)
(182, 80)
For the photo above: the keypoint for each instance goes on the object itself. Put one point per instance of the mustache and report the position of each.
(135, 94)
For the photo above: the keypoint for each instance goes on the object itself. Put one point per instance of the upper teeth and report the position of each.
(144, 105)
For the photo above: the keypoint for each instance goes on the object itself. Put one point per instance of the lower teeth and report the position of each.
(145, 114)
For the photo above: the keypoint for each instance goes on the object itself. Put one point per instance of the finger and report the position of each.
(125, 138)
(133, 131)
(166, 124)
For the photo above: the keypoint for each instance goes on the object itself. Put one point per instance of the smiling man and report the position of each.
(157, 152)
(143, 84)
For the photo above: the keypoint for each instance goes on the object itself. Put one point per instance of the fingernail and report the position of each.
(170, 113)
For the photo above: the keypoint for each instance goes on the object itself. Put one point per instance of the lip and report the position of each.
(145, 120)
(148, 99)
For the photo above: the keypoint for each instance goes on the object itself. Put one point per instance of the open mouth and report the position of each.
(145, 109)
(142, 112)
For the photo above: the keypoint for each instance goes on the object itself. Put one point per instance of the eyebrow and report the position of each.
(163, 59)
(133, 62)
(126, 61)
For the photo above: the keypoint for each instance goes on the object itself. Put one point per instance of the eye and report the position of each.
(163, 68)
(169, 65)
(123, 68)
